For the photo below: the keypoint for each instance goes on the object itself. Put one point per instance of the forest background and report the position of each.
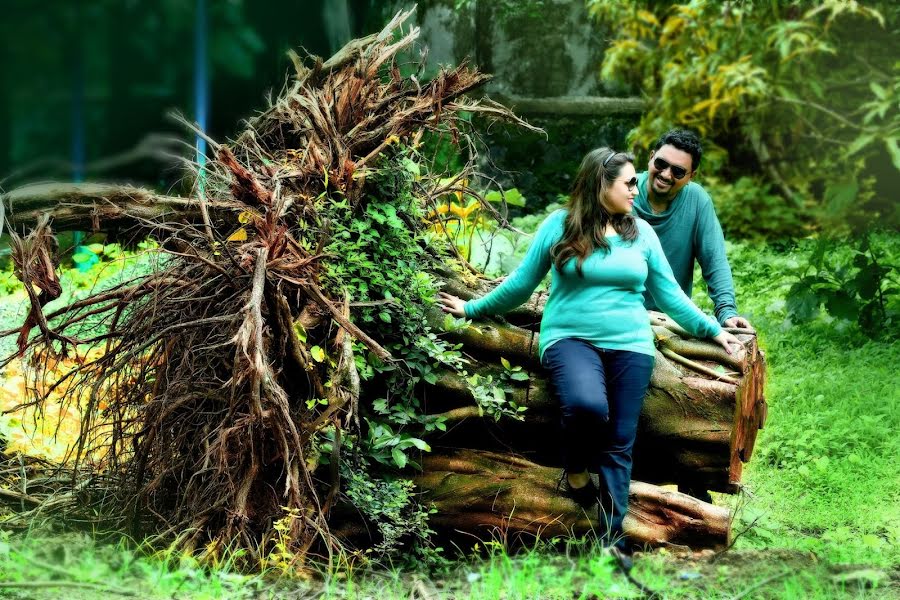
(797, 103)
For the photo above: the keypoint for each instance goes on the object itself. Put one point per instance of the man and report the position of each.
(682, 214)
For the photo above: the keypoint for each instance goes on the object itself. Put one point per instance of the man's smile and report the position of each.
(663, 182)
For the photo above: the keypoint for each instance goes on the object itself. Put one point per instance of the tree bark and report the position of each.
(94, 207)
(597, 106)
(487, 494)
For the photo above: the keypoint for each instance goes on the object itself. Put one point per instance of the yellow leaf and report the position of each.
(473, 205)
(238, 236)
(457, 210)
(245, 217)
(647, 17)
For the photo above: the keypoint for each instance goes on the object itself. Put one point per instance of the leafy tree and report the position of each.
(802, 95)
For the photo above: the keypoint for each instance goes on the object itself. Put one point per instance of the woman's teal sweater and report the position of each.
(605, 307)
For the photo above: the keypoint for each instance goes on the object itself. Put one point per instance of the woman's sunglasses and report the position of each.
(631, 183)
(662, 164)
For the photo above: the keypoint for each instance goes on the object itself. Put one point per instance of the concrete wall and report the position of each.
(533, 49)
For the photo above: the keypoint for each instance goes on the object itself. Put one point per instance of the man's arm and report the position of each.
(710, 247)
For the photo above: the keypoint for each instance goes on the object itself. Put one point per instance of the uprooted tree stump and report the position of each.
(286, 351)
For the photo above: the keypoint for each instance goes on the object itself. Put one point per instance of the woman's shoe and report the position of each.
(623, 559)
(585, 496)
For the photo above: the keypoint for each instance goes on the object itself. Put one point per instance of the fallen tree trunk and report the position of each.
(502, 496)
(700, 418)
(94, 207)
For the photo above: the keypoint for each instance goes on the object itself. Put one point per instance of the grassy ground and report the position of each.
(825, 475)
(821, 518)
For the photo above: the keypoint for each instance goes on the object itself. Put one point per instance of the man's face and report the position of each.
(663, 181)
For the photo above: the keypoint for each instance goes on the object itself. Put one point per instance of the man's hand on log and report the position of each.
(739, 322)
(452, 304)
(732, 345)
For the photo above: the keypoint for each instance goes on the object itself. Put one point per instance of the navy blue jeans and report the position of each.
(601, 393)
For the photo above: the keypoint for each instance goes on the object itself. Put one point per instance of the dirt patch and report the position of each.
(775, 573)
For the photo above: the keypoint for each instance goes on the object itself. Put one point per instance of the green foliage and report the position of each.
(852, 283)
(750, 209)
(115, 266)
(473, 229)
(821, 478)
(383, 271)
(803, 95)
(391, 505)
(825, 460)
(490, 392)
(542, 166)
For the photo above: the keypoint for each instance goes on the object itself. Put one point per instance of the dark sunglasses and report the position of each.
(631, 183)
(662, 164)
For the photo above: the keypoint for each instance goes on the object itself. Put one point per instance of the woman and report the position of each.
(596, 340)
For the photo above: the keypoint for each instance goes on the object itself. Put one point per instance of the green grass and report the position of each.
(824, 491)
(75, 566)
(824, 476)
(45, 565)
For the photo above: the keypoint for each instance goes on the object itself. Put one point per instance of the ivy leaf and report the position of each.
(420, 444)
(317, 353)
(411, 166)
(802, 302)
(519, 376)
(867, 282)
(399, 457)
(505, 363)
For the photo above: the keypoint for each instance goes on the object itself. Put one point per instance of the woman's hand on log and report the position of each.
(732, 345)
(452, 304)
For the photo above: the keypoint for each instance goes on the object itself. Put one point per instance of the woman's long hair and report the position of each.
(586, 222)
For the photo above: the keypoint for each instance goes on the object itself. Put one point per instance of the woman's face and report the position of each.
(619, 196)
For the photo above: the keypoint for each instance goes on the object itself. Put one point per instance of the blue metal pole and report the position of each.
(201, 88)
(84, 258)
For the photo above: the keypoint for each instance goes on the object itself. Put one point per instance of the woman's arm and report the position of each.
(518, 287)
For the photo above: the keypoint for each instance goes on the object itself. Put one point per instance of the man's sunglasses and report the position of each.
(662, 164)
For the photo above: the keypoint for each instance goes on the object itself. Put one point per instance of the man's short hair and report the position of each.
(686, 141)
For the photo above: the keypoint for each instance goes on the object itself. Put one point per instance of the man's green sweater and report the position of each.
(689, 229)
(605, 306)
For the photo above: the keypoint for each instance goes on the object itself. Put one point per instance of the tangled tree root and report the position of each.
(204, 376)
